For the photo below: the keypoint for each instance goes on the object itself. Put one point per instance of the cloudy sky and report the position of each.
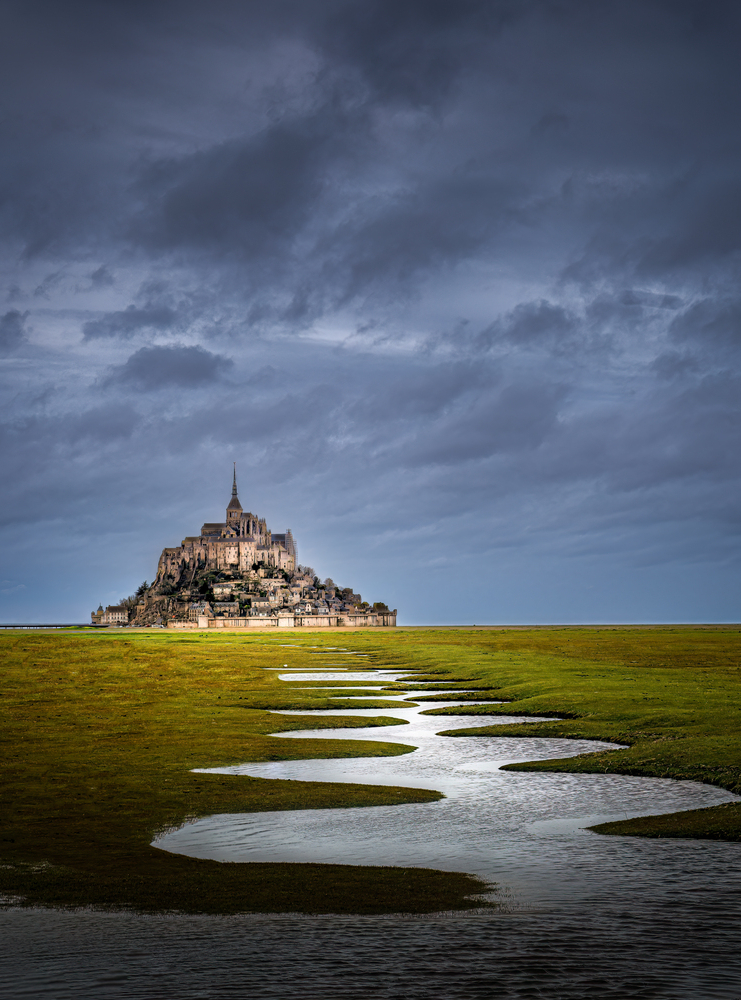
(456, 284)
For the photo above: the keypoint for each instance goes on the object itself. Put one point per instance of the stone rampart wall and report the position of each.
(290, 621)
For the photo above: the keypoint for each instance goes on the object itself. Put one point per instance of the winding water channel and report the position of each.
(582, 916)
(523, 831)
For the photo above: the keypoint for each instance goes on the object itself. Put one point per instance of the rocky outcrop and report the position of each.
(238, 571)
(158, 610)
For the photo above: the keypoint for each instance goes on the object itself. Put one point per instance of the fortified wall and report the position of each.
(238, 574)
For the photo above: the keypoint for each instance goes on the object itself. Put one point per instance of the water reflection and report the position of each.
(524, 831)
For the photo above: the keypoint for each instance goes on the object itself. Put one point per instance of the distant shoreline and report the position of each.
(35, 626)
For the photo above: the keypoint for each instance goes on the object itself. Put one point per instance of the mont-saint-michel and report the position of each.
(238, 574)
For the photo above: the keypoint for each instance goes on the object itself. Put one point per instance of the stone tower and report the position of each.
(234, 510)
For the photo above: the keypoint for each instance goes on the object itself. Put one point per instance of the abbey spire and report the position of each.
(234, 510)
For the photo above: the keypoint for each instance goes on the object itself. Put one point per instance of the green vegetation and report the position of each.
(670, 694)
(716, 823)
(101, 731)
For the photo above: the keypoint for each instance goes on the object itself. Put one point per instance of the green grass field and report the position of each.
(671, 695)
(101, 730)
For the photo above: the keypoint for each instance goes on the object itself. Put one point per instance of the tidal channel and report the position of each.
(580, 915)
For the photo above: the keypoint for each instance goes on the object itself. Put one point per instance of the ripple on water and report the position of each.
(522, 830)
(590, 917)
(548, 956)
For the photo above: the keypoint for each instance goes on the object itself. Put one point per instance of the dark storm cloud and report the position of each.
(460, 271)
(710, 323)
(518, 419)
(291, 204)
(533, 323)
(411, 52)
(642, 298)
(12, 330)
(673, 364)
(441, 221)
(158, 367)
(705, 221)
(46, 439)
(243, 195)
(102, 277)
(426, 392)
(129, 321)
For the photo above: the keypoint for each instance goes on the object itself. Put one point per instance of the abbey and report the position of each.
(241, 543)
(238, 574)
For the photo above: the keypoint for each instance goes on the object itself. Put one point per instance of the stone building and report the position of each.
(238, 574)
(238, 544)
(113, 615)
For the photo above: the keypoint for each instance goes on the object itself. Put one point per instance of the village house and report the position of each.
(113, 615)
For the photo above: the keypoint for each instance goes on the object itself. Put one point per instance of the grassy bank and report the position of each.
(671, 695)
(99, 734)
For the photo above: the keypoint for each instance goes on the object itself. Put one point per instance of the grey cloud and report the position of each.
(160, 367)
(518, 418)
(667, 229)
(675, 364)
(616, 319)
(423, 394)
(532, 323)
(265, 377)
(130, 321)
(412, 52)
(106, 424)
(412, 234)
(312, 188)
(241, 195)
(674, 436)
(705, 223)
(289, 211)
(693, 434)
(47, 286)
(50, 437)
(102, 277)
(535, 320)
(652, 300)
(710, 322)
(12, 330)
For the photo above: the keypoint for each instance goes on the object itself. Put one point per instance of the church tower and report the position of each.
(234, 510)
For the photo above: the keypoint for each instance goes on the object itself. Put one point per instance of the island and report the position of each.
(238, 574)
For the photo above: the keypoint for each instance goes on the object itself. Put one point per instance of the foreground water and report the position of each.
(582, 915)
